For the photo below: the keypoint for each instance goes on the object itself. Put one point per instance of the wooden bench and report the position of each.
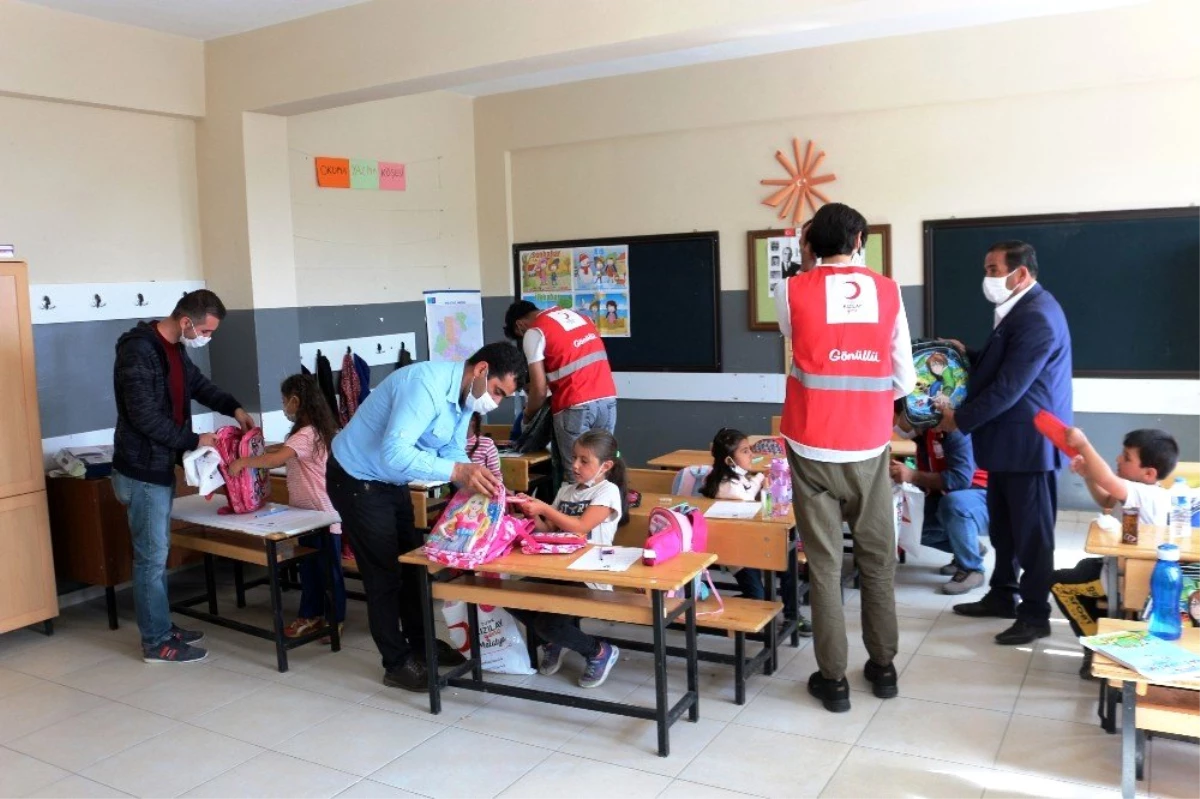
(649, 481)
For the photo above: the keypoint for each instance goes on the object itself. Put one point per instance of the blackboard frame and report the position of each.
(930, 227)
(715, 240)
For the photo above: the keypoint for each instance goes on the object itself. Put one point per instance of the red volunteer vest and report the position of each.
(839, 389)
(932, 458)
(576, 362)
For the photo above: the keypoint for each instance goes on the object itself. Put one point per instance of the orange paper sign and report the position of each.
(333, 173)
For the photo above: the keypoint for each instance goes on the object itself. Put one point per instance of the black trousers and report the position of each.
(1022, 507)
(377, 520)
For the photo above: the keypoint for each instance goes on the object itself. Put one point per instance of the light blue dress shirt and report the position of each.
(411, 427)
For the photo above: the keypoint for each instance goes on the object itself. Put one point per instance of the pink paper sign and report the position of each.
(391, 176)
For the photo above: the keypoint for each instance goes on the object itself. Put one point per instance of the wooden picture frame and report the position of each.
(763, 272)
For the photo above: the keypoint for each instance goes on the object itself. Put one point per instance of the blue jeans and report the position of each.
(149, 508)
(953, 523)
(570, 424)
(314, 576)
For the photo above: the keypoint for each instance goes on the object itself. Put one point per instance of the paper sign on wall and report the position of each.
(360, 173)
(333, 173)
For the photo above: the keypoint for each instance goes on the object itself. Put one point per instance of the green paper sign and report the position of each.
(364, 173)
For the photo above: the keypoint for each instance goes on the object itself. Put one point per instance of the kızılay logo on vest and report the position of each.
(868, 356)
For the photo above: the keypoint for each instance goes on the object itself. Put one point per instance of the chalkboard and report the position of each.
(673, 287)
(1128, 282)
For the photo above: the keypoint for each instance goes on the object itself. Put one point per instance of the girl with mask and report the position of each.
(730, 477)
(304, 453)
(593, 506)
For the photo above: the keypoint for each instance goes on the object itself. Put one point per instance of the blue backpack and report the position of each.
(941, 371)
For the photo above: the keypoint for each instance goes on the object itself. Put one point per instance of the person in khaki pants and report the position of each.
(851, 358)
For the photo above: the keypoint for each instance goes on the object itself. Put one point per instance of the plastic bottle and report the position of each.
(1181, 508)
(1166, 584)
(779, 489)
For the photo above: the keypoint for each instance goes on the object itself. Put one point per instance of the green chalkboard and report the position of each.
(1128, 282)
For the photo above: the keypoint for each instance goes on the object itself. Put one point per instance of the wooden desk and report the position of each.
(426, 509)
(1159, 711)
(655, 610)
(683, 458)
(1108, 544)
(521, 471)
(650, 501)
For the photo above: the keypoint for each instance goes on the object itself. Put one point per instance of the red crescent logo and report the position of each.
(857, 290)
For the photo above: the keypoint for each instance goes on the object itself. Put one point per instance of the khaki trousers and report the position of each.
(826, 494)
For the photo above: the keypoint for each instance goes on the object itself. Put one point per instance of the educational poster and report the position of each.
(602, 267)
(608, 310)
(454, 322)
(545, 302)
(545, 271)
(781, 251)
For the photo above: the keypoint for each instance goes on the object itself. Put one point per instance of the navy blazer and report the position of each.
(1024, 367)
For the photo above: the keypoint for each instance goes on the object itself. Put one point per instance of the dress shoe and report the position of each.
(882, 678)
(412, 676)
(991, 606)
(1022, 632)
(448, 655)
(834, 694)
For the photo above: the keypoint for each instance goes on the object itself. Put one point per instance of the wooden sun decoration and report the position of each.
(800, 187)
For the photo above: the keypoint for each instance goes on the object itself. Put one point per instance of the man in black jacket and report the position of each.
(155, 383)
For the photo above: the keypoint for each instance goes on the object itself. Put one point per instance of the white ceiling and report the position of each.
(197, 19)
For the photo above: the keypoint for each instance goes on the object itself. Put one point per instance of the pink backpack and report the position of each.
(248, 491)
(671, 531)
(474, 530)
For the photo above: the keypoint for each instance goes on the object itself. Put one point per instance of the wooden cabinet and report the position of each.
(27, 590)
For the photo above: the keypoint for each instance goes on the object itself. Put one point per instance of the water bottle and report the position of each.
(1166, 584)
(1181, 508)
(779, 489)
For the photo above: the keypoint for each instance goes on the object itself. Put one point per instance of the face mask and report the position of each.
(197, 342)
(483, 404)
(907, 435)
(996, 289)
(733, 467)
(589, 483)
(291, 417)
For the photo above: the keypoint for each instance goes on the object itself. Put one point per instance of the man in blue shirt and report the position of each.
(412, 427)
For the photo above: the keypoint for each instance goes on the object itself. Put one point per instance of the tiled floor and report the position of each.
(80, 715)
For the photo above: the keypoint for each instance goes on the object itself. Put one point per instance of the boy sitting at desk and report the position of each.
(1147, 456)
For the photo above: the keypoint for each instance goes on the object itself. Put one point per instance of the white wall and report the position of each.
(357, 246)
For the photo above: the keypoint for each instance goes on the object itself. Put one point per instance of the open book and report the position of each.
(1146, 654)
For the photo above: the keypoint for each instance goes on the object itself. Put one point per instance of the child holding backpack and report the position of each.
(304, 453)
(593, 506)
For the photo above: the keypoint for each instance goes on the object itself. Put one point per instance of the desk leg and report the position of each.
(210, 582)
(332, 561)
(791, 586)
(1113, 589)
(431, 661)
(473, 637)
(693, 661)
(110, 602)
(1128, 740)
(660, 673)
(276, 605)
(239, 583)
(771, 632)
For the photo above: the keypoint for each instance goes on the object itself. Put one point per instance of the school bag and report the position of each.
(473, 530)
(248, 491)
(537, 434)
(689, 481)
(941, 371)
(534, 543)
(772, 446)
(671, 531)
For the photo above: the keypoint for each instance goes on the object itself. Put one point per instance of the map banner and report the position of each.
(454, 321)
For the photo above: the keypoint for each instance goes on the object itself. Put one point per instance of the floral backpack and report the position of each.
(474, 529)
(249, 490)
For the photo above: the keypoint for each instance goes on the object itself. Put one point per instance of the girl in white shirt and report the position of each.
(730, 477)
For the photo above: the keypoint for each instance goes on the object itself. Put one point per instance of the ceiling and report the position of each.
(197, 19)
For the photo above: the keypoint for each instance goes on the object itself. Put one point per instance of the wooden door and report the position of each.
(27, 590)
(20, 431)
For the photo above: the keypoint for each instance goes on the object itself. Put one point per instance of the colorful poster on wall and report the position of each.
(545, 271)
(608, 310)
(454, 322)
(359, 173)
(547, 301)
(602, 267)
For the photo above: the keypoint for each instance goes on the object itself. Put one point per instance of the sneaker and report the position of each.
(550, 659)
(950, 568)
(962, 582)
(1022, 632)
(991, 606)
(883, 679)
(173, 651)
(186, 636)
(804, 627)
(597, 668)
(834, 694)
(412, 676)
(301, 627)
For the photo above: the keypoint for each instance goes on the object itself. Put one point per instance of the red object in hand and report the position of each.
(1054, 429)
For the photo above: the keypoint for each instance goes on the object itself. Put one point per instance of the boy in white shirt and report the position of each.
(1147, 456)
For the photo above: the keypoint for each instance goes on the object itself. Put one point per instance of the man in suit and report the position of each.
(1024, 367)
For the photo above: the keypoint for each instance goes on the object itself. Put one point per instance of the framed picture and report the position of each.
(768, 253)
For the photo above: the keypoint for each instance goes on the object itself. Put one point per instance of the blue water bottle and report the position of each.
(1166, 584)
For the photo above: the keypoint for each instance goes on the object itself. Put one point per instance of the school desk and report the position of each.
(647, 604)
(1169, 707)
(1107, 543)
(247, 538)
(683, 458)
(524, 470)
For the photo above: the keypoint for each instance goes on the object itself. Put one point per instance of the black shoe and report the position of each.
(1022, 632)
(448, 655)
(991, 606)
(186, 636)
(883, 679)
(412, 676)
(834, 694)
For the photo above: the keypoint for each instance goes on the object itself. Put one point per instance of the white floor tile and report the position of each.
(682, 789)
(773, 764)
(40, 706)
(124, 675)
(868, 772)
(378, 737)
(1051, 655)
(271, 715)
(565, 775)
(1011, 785)
(80, 741)
(1054, 695)
(192, 692)
(915, 727)
(271, 774)
(633, 743)
(458, 763)
(534, 723)
(1062, 750)
(66, 653)
(369, 789)
(351, 674)
(962, 682)
(456, 703)
(805, 663)
(76, 787)
(21, 774)
(963, 638)
(717, 691)
(786, 706)
(12, 682)
(1174, 769)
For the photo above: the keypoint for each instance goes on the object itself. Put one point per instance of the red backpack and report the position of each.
(248, 491)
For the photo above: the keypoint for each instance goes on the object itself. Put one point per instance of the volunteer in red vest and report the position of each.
(851, 358)
(956, 511)
(569, 366)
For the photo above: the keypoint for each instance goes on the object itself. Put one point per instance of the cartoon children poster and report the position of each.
(547, 301)
(545, 271)
(602, 267)
(608, 310)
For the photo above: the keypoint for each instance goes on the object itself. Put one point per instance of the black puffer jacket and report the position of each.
(148, 443)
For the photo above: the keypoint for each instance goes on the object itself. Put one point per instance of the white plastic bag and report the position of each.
(500, 641)
(909, 502)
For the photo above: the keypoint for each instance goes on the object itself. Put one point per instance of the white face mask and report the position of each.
(595, 479)
(733, 467)
(996, 289)
(907, 435)
(483, 404)
(198, 341)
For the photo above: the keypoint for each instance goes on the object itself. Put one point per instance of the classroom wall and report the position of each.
(920, 127)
